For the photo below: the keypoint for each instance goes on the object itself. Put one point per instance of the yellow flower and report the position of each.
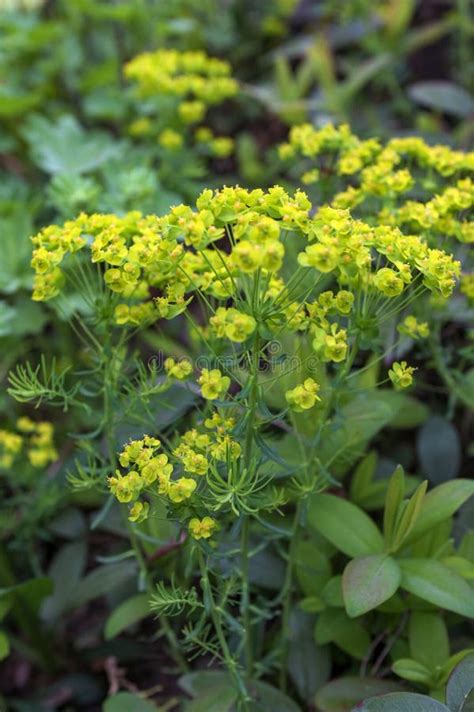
(413, 328)
(157, 468)
(25, 424)
(388, 282)
(139, 512)
(401, 375)
(125, 488)
(303, 396)
(170, 139)
(178, 369)
(181, 490)
(213, 384)
(202, 528)
(324, 258)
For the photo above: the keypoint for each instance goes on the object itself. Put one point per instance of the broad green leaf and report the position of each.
(313, 569)
(63, 146)
(214, 699)
(433, 582)
(332, 592)
(4, 645)
(439, 450)
(196, 683)
(354, 426)
(411, 670)
(101, 580)
(334, 626)
(411, 412)
(66, 570)
(344, 525)
(309, 664)
(30, 592)
(266, 698)
(402, 702)
(460, 683)
(130, 611)
(444, 96)
(468, 704)
(428, 639)
(342, 694)
(126, 702)
(369, 581)
(440, 504)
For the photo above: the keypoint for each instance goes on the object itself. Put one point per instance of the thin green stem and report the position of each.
(287, 595)
(216, 617)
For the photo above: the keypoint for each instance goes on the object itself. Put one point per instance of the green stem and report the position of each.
(244, 542)
(286, 595)
(215, 613)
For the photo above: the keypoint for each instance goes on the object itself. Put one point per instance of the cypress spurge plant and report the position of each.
(285, 309)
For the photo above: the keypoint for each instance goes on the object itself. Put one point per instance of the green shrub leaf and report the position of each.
(130, 611)
(440, 504)
(402, 702)
(369, 581)
(432, 581)
(460, 684)
(345, 525)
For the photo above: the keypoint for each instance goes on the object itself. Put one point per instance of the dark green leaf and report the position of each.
(342, 694)
(460, 683)
(402, 702)
(443, 96)
(439, 450)
(309, 664)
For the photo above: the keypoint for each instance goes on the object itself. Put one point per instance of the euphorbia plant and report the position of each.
(285, 309)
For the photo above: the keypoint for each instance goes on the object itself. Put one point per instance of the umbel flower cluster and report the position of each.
(175, 477)
(30, 438)
(174, 91)
(384, 180)
(256, 264)
(232, 249)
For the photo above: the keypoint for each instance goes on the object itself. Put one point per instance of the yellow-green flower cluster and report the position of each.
(231, 249)
(178, 369)
(467, 285)
(213, 384)
(401, 375)
(411, 327)
(192, 76)
(34, 439)
(187, 84)
(368, 170)
(174, 477)
(148, 471)
(303, 396)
